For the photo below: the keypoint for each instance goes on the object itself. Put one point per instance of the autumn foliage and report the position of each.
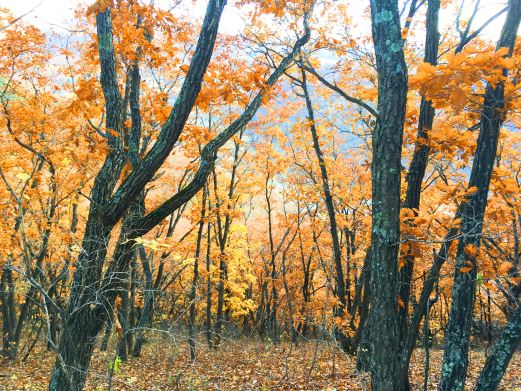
(209, 211)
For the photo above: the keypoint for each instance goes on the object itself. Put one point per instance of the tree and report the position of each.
(212, 180)
(386, 172)
(472, 213)
(86, 311)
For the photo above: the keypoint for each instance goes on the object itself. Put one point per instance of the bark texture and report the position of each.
(455, 360)
(386, 169)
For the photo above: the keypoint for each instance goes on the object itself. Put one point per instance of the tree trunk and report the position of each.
(419, 161)
(340, 287)
(8, 313)
(86, 312)
(193, 289)
(87, 307)
(148, 306)
(85, 316)
(504, 348)
(208, 289)
(386, 170)
(415, 177)
(455, 359)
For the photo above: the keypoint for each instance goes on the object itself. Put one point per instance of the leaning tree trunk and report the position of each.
(85, 315)
(386, 172)
(503, 351)
(455, 360)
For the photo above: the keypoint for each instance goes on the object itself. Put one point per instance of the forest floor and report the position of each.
(243, 364)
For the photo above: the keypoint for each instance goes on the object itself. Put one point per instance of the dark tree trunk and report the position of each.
(386, 171)
(145, 319)
(123, 318)
(410, 338)
(106, 335)
(8, 312)
(415, 177)
(263, 309)
(361, 306)
(119, 278)
(132, 309)
(364, 329)
(271, 310)
(419, 160)
(208, 289)
(223, 229)
(220, 300)
(193, 289)
(293, 331)
(504, 348)
(85, 316)
(455, 359)
(340, 282)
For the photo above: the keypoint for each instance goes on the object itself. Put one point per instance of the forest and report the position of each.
(260, 195)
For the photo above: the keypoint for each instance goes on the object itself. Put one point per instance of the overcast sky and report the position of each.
(54, 13)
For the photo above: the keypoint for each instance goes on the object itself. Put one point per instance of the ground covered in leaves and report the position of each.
(238, 365)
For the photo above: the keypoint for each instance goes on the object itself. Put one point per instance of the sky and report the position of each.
(49, 14)
(46, 12)
(54, 13)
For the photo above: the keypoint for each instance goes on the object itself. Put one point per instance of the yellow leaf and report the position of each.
(23, 176)
(458, 99)
(188, 261)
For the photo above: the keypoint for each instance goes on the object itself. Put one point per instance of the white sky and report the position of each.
(54, 13)
(47, 12)
(50, 14)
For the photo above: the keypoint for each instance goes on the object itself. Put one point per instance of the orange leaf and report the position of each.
(125, 171)
(471, 190)
(505, 267)
(471, 250)
(113, 133)
(401, 263)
